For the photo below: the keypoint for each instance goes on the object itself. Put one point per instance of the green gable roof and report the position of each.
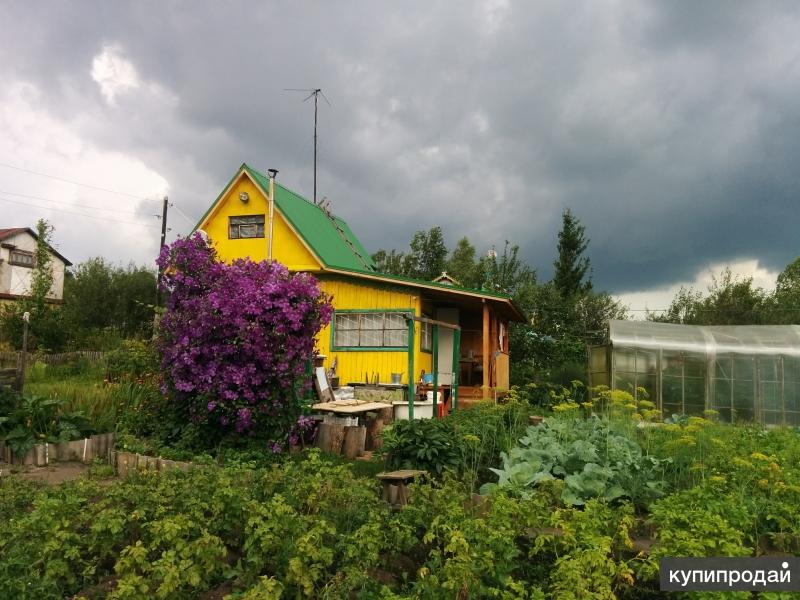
(339, 251)
(317, 229)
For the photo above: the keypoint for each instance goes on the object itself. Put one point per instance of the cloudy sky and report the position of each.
(671, 129)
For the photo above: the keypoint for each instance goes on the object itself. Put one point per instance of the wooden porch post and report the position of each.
(485, 350)
(411, 390)
(456, 367)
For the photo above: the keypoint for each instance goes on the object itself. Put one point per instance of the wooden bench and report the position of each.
(395, 486)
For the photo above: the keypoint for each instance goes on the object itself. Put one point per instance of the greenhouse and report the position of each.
(744, 372)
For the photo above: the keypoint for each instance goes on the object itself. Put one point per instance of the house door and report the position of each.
(448, 315)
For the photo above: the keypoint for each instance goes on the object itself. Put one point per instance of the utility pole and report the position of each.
(164, 208)
(164, 222)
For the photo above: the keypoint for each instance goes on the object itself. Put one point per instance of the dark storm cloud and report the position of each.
(671, 129)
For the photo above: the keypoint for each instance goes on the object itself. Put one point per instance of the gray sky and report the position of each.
(671, 129)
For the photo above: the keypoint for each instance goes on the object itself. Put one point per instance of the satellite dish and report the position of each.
(203, 235)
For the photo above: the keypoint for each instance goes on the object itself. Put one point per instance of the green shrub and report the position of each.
(38, 420)
(133, 359)
(427, 444)
(468, 442)
(593, 459)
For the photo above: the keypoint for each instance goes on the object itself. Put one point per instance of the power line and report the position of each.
(189, 219)
(86, 185)
(126, 212)
(79, 214)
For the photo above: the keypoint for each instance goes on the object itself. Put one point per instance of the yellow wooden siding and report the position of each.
(287, 248)
(356, 365)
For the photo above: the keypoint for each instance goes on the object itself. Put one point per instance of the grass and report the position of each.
(83, 387)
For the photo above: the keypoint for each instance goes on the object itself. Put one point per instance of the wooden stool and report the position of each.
(395, 486)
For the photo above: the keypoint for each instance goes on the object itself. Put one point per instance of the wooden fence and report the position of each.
(12, 358)
(9, 378)
(85, 450)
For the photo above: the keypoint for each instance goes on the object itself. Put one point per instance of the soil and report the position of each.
(52, 474)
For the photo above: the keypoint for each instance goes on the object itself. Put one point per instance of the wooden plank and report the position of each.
(399, 475)
(502, 368)
(349, 409)
(321, 385)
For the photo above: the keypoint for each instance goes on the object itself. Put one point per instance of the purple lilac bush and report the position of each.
(236, 338)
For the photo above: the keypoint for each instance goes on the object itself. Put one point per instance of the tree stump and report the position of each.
(376, 425)
(331, 437)
(354, 441)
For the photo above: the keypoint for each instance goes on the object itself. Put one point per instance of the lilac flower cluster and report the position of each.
(303, 431)
(236, 338)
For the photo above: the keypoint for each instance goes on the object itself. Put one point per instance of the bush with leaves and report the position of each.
(35, 420)
(235, 340)
(427, 444)
(467, 442)
(590, 455)
(134, 359)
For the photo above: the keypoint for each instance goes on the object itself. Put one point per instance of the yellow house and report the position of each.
(368, 335)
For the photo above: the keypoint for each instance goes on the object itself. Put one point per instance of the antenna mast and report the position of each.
(316, 92)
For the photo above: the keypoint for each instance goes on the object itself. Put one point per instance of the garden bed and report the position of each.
(84, 450)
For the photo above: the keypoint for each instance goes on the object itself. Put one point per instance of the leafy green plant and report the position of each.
(427, 444)
(41, 420)
(593, 459)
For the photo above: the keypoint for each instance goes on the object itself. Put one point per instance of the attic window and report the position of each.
(22, 259)
(247, 226)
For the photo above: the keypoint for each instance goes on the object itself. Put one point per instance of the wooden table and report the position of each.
(349, 407)
(351, 441)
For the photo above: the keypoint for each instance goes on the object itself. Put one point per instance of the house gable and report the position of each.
(287, 246)
(327, 235)
(16, 275)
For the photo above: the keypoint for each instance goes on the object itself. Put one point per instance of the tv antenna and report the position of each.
(316, 93)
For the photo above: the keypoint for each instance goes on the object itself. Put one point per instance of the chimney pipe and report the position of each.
(272, 174)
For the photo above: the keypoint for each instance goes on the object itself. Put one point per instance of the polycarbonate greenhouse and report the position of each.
(745, 372)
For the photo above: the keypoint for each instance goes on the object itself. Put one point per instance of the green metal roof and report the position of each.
(321, 234)
(317, 229)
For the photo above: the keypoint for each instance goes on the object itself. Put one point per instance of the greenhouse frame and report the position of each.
(744, 372)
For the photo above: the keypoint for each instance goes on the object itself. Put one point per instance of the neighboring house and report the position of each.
(17, 260)
(368, 335)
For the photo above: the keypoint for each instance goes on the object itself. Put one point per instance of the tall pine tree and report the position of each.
(571, 266)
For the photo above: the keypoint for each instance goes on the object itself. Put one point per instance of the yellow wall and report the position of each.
(354, 364)
(287, 248)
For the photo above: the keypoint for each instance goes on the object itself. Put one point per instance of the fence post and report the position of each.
(26, 317)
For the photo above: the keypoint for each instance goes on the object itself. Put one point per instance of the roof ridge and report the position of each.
(290, 190)
(346, 249)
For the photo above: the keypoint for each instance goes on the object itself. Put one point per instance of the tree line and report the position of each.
(563, 315)
(735, 300)
(103, 303)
